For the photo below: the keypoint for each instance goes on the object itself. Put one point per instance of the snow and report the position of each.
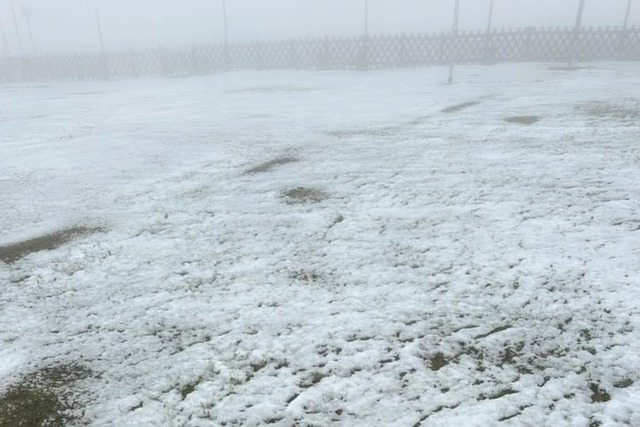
(462, 270)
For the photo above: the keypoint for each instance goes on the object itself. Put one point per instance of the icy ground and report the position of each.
(435, 266)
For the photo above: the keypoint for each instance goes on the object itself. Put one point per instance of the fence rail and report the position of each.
(362, 53)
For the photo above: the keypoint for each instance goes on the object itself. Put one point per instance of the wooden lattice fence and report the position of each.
(377, 52)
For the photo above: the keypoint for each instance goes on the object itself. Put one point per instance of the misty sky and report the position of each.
(70, 25)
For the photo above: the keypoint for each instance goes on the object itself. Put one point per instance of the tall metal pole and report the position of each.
(576, 33)
(622, 44)
(454, 35)
(15, 24)
(626, 16)
(366, 18)
(227, 57)
(490, 21)
(579, 17)
(5, 44)
(488, 48)
(226, 22)
(27, 16)
(99, 25)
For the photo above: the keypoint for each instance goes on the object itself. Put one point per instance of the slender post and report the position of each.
(99, 25)
(103, 64)
(15, 24)
(625, 26)
(226, 22)
(454, 35)
(488, 47)
(623, 34)
(5, 44)
(27, 16)
(363, 60)
(366, 18)
(579, 17)
(226, 34)
(490, 21)
(576, 33)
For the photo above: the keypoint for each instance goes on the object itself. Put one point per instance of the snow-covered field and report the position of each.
(452, 269)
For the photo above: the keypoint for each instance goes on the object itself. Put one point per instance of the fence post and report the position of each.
(103, 66)
(133, 69)
(363, 54)
(323, 55)
(258, 50)
(293, 55)
(402, 50)
(165, 65)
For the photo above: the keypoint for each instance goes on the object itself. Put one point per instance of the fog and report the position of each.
(70, 25)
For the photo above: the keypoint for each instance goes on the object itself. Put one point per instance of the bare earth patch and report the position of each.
(268, 90)
(43, 398)
(385, 131)
(268, 166)
(13, 252)
(624, 112)
(570, 67)
(460, 107)
(523, 120)
(304, 195)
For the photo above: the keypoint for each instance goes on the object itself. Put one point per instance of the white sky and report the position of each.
(69, 25)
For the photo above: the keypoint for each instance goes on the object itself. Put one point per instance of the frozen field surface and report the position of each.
(315, 249)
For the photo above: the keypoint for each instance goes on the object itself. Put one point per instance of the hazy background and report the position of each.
(70, 25)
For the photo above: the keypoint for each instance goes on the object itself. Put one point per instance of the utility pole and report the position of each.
(226, 35)
(366, 18)
(579, 17)
(454, 36)
(626, 16)
(26, 12)
(5, 44)
(363, 55)
(99, 25)
(226, 22)
(622, 44)
(488, 49)
(15, 24)
(490, 21)
(576, 33)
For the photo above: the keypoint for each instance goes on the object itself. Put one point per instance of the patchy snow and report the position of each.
(461, 270)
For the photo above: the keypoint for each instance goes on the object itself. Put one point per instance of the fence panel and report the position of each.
(348, 53)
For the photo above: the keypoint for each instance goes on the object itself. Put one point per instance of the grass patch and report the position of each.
(594, 423)
(304, 195)
(187, 389)
(306, 275)
(13, 252)
(385, 131)
(523, 120)
(268, 166)
(622, 112)
(460, 107)
(268, 90)
(598, 395)
(570, 67)
(42, 398)
(438, 362)
(313, 379)
(625, 383)
(499, 395)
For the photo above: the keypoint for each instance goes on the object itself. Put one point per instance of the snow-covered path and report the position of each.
(454, 270)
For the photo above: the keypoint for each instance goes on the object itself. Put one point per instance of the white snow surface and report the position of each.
(462, 270)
